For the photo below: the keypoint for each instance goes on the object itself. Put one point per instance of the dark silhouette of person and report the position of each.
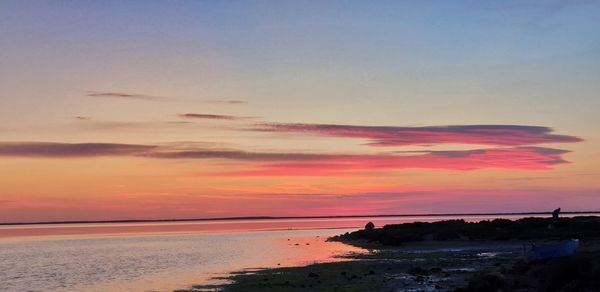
(555, 214)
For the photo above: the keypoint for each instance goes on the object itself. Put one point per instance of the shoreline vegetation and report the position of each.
(295, 217)
(450, 255)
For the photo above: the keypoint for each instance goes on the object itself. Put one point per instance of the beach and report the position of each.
(414, 268)
(487, 263)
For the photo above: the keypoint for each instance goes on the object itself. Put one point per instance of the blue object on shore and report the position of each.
(536, 252)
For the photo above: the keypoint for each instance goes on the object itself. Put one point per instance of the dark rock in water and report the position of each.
(418, 271)
(435, 270)
(490, 281)
(369, 226)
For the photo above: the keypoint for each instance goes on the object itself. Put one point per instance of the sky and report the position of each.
(113, 110)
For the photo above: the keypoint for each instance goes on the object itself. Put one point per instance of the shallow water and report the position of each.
(153, 262)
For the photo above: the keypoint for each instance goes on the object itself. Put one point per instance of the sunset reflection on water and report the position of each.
(156, 262)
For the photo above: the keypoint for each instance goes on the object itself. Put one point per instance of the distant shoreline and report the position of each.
(295, 217)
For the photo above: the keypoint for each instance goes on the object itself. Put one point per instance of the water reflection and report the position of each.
(154, 262)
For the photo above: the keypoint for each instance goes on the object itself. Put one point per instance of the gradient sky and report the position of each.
(192, 109)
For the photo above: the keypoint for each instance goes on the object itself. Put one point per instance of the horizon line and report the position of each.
(290, 217)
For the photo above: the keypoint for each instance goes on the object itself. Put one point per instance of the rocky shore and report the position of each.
(449, 255)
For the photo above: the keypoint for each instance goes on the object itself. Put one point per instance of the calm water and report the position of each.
(163, 256)
(151, 262)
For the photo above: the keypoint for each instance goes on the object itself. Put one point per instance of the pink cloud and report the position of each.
(524, 158)
(304, 164)
(500, 135)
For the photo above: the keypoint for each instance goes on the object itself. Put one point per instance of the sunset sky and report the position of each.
(194, 109)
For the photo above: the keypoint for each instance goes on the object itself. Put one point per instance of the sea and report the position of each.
(166, 256)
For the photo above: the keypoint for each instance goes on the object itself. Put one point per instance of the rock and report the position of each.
(418, 271)
(490, 281)
(435, 270)
(369, 226)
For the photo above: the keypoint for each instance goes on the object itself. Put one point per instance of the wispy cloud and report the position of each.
(212, 117)
(525, 158)
(83, 118)
(498, 135)
(115, 125)
(303, 164)
(185, 150)
(129, 96)
(225, 101)
(177, 153)
(60, 150)
(132, 126)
